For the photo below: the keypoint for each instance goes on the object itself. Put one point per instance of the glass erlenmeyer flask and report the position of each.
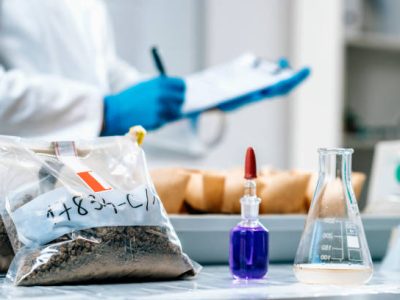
(333, 248)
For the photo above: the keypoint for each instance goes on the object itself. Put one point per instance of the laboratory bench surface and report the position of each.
(215, 282)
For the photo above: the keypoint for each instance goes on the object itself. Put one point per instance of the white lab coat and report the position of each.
(57, 62)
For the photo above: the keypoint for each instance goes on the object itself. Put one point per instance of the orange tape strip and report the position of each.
(92, 182)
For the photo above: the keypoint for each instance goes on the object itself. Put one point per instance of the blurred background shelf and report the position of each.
(373, 41)
(356, 141)
(363, 142)
(371, 102)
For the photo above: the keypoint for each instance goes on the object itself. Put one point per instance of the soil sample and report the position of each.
(6, 251)
(104, 254)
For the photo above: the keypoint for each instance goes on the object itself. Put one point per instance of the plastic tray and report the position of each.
(205, 238)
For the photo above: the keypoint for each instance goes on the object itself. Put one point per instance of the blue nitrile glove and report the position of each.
(279, 89)
(151, 104)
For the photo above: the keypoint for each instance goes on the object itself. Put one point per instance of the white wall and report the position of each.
(316, 108)
(173, 25)
(262, 27)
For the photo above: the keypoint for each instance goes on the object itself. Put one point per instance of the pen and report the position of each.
(157, 61)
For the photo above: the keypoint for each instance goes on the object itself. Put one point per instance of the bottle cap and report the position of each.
(250, 168)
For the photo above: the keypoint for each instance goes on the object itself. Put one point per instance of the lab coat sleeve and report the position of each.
(34, 105)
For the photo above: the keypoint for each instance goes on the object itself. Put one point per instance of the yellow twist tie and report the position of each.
(138, 133)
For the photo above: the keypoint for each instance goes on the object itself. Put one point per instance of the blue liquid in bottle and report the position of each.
(248, 257)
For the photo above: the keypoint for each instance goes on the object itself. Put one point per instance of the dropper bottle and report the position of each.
(248, 251)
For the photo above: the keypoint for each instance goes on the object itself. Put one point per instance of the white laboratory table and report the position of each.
(215, 282)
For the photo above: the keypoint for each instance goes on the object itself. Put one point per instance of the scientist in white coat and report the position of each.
(60, 76)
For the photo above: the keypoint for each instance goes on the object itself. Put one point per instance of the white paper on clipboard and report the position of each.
(219, 84)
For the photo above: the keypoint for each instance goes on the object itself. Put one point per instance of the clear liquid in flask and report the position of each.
(333, 274)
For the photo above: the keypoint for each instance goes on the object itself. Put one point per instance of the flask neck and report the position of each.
(335, 165)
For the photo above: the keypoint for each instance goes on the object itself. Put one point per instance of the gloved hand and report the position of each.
(150, 103)
(279, 89)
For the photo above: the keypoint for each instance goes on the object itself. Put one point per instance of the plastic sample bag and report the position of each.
(84, 211)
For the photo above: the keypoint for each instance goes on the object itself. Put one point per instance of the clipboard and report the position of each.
(245, 76)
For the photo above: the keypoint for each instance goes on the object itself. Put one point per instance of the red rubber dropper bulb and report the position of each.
(250, 167)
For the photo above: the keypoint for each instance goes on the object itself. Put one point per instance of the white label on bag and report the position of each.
(59, 212)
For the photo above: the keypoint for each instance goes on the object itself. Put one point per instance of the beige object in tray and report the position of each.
(283, 192)
(234, 189)
(332, 198)
(268, 171)
(205, 190)
(171, 184)
(357, 181)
